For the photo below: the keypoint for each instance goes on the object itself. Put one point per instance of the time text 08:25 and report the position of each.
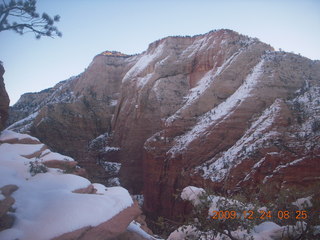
(261, 214)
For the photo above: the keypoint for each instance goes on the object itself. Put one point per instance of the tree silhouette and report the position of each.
(21, 17)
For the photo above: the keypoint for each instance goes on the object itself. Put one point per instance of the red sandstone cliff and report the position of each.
(254, 136)
(218, 110)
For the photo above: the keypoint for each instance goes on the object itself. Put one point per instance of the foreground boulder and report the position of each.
(115, 228)
(6, 202)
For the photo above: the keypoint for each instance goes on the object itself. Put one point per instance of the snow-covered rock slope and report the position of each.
(46, 205)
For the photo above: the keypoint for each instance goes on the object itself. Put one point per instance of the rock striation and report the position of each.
(219, 110)
(252, 137)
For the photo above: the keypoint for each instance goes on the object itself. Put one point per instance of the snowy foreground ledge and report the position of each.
(45, 205)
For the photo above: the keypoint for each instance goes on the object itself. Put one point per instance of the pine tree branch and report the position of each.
(4, 18)
(28, 18)
(28, 26)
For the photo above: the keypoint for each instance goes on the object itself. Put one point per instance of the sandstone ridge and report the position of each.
(218, 110)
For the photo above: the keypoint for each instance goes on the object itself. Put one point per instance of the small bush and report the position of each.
(37, 167)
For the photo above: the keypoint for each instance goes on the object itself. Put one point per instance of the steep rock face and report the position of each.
(218, 110)
(158, 86)
(251, 138)
(75, 111)
(23, 113)
(4, 100)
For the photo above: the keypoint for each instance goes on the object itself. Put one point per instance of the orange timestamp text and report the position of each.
(261, 214)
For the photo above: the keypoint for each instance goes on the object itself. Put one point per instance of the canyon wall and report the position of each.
(219, 110)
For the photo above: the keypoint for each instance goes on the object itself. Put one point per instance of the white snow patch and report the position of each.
(303, 203)
(219, 168)
(136, 227)
(101, 189)
(114, 102)
(266, 231)
(55, 156)
(281, 167)
(8, 134)
(258, 164)
(100, 137)
(111, 149)
(25, 123)
(23, 150)
(265, 226)
(183, 232)
(46, 201)
(143, 63)
(220, 112)
(266, 178)
(192, 194)
(273, 153)
(202, 86)
(254, 168)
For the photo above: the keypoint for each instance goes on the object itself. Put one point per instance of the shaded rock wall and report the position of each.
(72, 113)
(4, 100)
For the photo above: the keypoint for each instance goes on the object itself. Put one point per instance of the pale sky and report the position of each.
(90, 27)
